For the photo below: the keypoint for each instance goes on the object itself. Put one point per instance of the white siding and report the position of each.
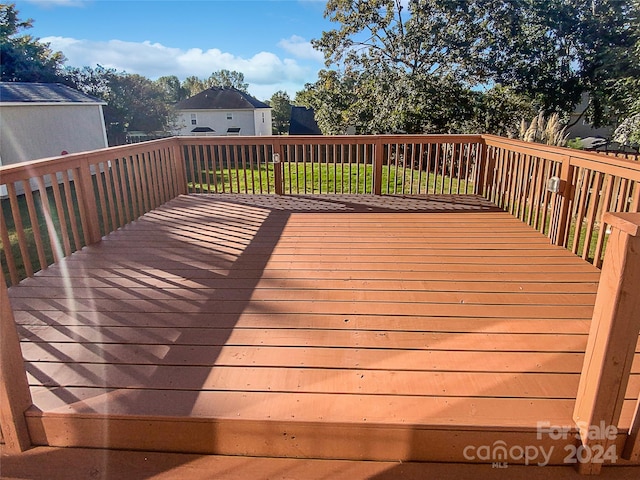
(263, 124)
(31, 132)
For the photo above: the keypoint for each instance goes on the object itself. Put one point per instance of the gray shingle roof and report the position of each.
(23, 92)
(223, 98)
(303, 122)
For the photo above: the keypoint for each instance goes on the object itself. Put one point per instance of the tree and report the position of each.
(555, 50)
(500, 111)
(22, 57)
(173, 90)
(192, 86)
(419, 39)
(227, 78)
(134, 103)
(333, 98)
(138, 103)
(625, 91)
(552, 51)
(92, 81)
(281, 113)
(222, 78)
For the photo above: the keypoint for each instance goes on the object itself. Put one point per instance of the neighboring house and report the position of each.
(580, 127)
(303, 122)
(39, 120)
(222, 111)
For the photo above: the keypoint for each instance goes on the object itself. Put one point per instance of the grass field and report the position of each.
(323, 178)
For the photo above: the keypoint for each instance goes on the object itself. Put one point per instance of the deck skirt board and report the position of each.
(409, 319)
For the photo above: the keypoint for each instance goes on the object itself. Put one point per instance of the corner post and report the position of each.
(561, 222)
(88, 199)
(480, 187)
(179, 166)
(15, 397)
(612, 338)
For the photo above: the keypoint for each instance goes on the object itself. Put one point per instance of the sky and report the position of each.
(267, 40)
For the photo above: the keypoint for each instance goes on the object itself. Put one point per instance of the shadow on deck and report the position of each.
(354, 327)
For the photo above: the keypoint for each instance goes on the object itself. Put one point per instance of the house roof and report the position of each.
(303, 122)
(202, 130)
(24, 92)
(221, 98)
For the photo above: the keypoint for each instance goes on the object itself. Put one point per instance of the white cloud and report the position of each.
(264, 71)
(300, 48)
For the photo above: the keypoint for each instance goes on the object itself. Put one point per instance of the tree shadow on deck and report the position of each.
(164, 295)
(367, 203)
(126, 325)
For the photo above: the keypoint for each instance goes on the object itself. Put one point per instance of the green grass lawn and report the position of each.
(323, 178)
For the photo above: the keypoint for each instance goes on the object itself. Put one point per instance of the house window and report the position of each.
(194, 119)
(262, 117)
(229, 116)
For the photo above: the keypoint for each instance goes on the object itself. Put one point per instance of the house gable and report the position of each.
(45, 120)
(224, 111)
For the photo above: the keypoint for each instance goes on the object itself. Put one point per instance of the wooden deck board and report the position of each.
(417, 312)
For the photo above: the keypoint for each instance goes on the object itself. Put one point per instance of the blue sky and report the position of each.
(267, 40)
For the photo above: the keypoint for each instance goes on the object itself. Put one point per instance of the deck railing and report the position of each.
(517, 176)
(407, 164)
(52, 208)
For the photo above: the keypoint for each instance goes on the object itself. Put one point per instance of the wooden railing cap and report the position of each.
(627, 222)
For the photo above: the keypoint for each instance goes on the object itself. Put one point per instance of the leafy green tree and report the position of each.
(92, 81)
(281, 113)
(139, 103)
(221, 78)
(192, 86)
(551, 51)
(22, 57)
(555, 50)
(133, 102)
(227, 78)
(173, 90)
(418, 39)
(500, 111)
(333, 97)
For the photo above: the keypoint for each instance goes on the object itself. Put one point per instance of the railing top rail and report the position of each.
(328, 140)
(42, 166)
(606, 164)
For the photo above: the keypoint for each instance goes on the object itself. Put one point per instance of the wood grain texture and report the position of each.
(408, 312)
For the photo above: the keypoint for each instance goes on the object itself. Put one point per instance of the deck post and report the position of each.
(88, 199)
(561, 222)
(179, 166)
(277, 158)
(480, 186)
(15, 397)
(612, 339)
(378, 159)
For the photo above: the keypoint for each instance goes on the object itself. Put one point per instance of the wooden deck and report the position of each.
(354, 327)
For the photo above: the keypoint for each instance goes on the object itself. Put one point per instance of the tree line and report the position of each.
(454, 66)
(416, 66)
(134, 102)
